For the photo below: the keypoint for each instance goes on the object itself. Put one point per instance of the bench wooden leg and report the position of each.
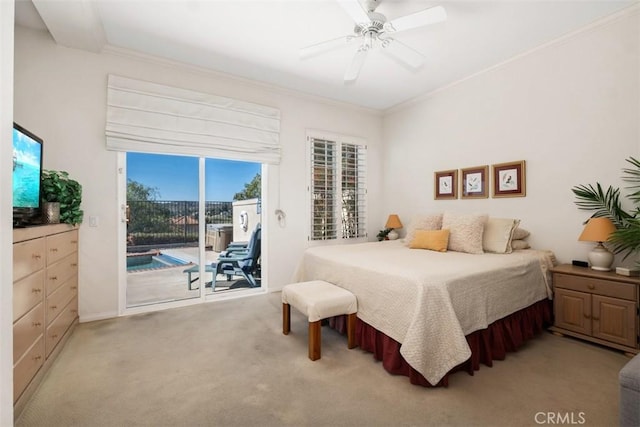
(286, 318)
(314, 340)
(351, 330)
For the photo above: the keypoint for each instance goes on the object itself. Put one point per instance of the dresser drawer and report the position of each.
(27, 330)
(61, 271)
(595, 286)
(59, 298)
(27, 293)
(57, 328)
(25, 368)
(28, 257)
(61, 245)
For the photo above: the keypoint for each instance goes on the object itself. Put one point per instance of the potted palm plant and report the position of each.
(57, 187)
(626, 238)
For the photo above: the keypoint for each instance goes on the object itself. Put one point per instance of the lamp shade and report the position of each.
(393, 222)
(597, 230)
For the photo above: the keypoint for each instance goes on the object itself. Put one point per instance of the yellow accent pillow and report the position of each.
(434, 240)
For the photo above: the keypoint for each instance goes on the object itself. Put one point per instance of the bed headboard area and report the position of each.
(469, 233)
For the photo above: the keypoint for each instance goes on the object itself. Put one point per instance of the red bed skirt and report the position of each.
(502, 336)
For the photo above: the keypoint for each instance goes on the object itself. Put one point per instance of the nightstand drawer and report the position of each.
(595, 286)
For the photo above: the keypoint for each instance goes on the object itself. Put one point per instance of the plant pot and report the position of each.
(51, 212)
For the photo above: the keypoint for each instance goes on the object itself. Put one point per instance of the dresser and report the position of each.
(597, 306)
(45, 300)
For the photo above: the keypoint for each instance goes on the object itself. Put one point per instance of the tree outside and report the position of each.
(144, 217)
(252, 190)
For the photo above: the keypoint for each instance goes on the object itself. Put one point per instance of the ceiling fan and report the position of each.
(372, 29)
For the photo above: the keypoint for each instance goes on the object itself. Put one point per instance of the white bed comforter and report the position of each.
(428, 301)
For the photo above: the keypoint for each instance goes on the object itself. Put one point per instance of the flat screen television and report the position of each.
(27, 176)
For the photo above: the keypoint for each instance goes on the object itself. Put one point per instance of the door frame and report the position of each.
(123, 310)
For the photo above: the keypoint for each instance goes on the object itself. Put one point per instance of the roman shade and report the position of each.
(154, 118)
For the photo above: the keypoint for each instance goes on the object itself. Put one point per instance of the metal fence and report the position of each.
(152, 224)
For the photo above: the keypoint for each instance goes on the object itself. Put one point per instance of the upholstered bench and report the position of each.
(319, 300)
(630, 393)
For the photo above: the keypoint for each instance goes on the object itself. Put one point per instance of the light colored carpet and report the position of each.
(228, 364)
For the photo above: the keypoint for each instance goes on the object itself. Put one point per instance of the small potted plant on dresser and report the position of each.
(58, 188)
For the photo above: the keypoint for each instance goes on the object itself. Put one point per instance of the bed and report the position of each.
(429, 313)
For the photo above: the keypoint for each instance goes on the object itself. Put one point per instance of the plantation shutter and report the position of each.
(153, 118)
(337, 190)
(353, 191)
(323, 190)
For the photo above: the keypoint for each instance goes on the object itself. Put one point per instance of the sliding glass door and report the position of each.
(171, 254)
(162, 228)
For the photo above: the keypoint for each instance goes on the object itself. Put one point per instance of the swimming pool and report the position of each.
(152, 261)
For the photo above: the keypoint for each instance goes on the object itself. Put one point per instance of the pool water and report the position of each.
(152, 262)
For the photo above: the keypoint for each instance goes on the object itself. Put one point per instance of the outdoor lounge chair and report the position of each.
(238, 246)
(243, 263)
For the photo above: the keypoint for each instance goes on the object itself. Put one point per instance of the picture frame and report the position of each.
(474, 182)
(509, 179)
(446, 185)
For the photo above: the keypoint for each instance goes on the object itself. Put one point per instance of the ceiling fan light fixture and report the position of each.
(371, 27)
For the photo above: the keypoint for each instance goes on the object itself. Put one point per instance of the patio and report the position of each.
(172, 228)
(171, 283)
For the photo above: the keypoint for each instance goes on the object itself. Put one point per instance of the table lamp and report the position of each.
(599, 230)
(393, 222)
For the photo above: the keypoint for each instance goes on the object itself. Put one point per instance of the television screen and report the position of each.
(27, 167)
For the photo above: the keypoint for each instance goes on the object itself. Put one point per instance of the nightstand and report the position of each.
(596, 306)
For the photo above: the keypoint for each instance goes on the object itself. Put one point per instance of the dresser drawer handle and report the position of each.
(592, 287)
(586, 316)
(73, 288)
(597, 319)
(74, 242)
(54, 249)
(36, 324)
(36, 290)
(53, 278)
(54, 336)
(75, 264)
(74, 311)
(54, 307)
(36, 358)
(36, 256)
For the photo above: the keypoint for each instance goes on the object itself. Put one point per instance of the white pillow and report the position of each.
(520, 233)
(497, 235)
(422, 222)
(465, 231)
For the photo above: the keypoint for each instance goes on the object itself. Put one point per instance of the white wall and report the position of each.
(6, 230)
(570, 109)
(60, 94)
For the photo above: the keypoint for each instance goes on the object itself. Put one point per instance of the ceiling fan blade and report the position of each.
(403, 53)
(354, 10)
(429, 16)
(325, 46)
(356, 65)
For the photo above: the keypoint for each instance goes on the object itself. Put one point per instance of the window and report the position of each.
(337, 189)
